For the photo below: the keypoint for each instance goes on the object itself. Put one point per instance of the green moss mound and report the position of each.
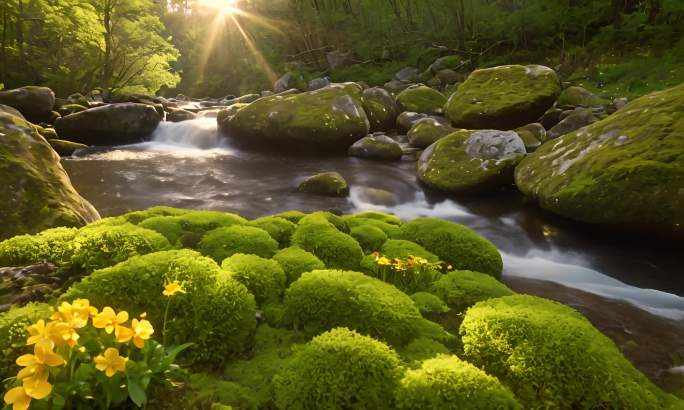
(52, 245)
(264, 278)
(222, 243)
(216, 313)
(369, 237)
(339, 369)
(462, 289)
(325, 299)
(549, 355)
(455, 244)
(422, 99)
(447, 382)
(186, 229)
(428, 304)
(280, 229)
(335, 248)
(421, 349)
(399, 248)
(292, 216)
(205, 391)
(13, 334)
(296, 261)
(136, 217)
(391, 230)
(378, 216)
(321, 216)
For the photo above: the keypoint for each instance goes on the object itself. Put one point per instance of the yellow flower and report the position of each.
(110, 362)
(384, 261)
(52, 332)
(142, 331)
(450, 267)
(76, 314)
(37, 386)
(172, 288)
(123, 334)
(36, 364)
(18, 398)
(109, 320)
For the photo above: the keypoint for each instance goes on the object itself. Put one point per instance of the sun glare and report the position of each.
(222, 6)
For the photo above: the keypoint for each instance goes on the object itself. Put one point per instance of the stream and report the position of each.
(629, 286)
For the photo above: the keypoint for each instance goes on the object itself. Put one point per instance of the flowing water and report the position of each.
(629, 286)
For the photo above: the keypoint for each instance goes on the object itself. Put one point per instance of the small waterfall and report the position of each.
(200, 133)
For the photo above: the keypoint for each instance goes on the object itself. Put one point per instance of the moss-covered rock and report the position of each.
(575, 96)
(422, 99)
(280, 229)
(391, 230)
(37, 193)
(335, 248)
(549, 355)
(379, 147)
(67, 109)
(35, 103)
(429, 304)
(625, 171)
(337, 221)
(52, 245)
(340, 369)
(427, 131)
(407, 119)
(296, 261)
(381, 109)
(376, 215)
(48, 133)
(216, 313)
(136, 217)
(576, 119)
(65, 148)
(322, 120)
(471, 161)
(504, 97)
(447, 382)
(455, 244)
(292, 216)
(222, 243)
(264, 278)
(183, 228)
(462, 289)
(326, 183)
(369, 237)
(398, 248)
(13, 334)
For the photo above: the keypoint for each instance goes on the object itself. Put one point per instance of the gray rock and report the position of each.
(533, 135)
(407, 74)
(179, 115)
(377, 146)
(551, 117)
(381, 109)
(396, 86)
(35, 103)
(318, 83)
(577, 119)
(407, 119)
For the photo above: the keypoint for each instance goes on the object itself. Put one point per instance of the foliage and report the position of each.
(264, 278)
(410, 274)
(221, 243)
(339, 369)
(13, 324)
(420, 349)
(462, 289)
(296, 261)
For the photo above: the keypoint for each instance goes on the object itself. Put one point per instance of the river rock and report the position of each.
(407, 119)
(407, 74)
(11, 111)
(551, 117)
(471, 161)
(65, 148)
(327, 184)
(289, 81)
(452, 62)
(35, 190)
(447, 77)
(179, 115)
(625, 171)
(427, 131)
(328, 119)
(113, 124)
(381, 109)
(67, 109)
(396, 86)
(35, 103)
(318, 83)
(575, 96)
(504, 97)
(533, 135)
(578, 118)
(422, 99)
(378, 146)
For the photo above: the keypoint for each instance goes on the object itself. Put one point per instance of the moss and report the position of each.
(336, 249)
(462, 289)
(420, 349)
(390, 229)
(216, 313)
(422, 99)
(221, 243)
(429, 305)
(427, 131)
(280, 229)
(13, 334)
(380, 108)
(455, 244)
(525, 341)
(378, 216)
(625, 171)
(65, 148)
(369, 237)
(296, 261)
(447, 382)
(52, 245)
(398, 248)
(578, 96)
(339, 369)
(322, 216)
(186, 229)
(504, 97)
(377, 147)
(207, 391)
(264, 278)
(136, 217)
(327, 183)
(292, 216)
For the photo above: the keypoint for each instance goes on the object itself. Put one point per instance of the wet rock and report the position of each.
(407, 119)
(533, 135)
(551, 117)
(625, 171)
(35, 103)
(113, 124)
(578, 118)
(65, 148)
(504, 97)
(78, 99)
(407, 74)
(326, 184)
(448, 76)
(427, 131)
(21, 285)
(318, 83)
(375, 196)
(422, 99)
(67, 109)
(471, 161)
(396, 86)
(179, 115)
(381, 109)
(378, 146)
(578, 97)
(11, 111)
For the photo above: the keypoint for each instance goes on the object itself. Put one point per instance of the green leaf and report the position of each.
(136, 391)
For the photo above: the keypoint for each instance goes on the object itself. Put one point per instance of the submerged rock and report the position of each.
(503, 97)
(471, 161)
(626, 170)
(36, 191)
(327, 183)
(35, 103)
(113, 124)
(377, 147)
(422, 99)
(179, 115)
(427, 131)
(381, 109)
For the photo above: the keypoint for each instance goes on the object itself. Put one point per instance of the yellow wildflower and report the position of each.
(52, 333)
(109, 320)
(142, 331)
(110, 362)
(384, 261)
(76, 314)
(37, 386)
(36, 363)
(172, 288)
(123, 334)
(18, 398)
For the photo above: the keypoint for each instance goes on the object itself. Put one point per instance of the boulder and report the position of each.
(448, 76)
(35, 103)
(288, 81)
(67, 109)
(407, 74)
(407, 119)
(377, 146)
(329, 119)
(396, 86)
(179, 115)
(422, 99)
(36, 191)
(327, 184)
(551, 117)
(533, 135)
(471, 161)
(11, 111)
(78, 99)
(504, 97)
(318, 83)
(578, 97)
(452, 62)
(427, 131)
(380, 108)
(578, 118)
(113, 124)
(65, 148)
(624, 171)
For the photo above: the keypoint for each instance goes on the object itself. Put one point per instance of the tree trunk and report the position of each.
(3, 45)
(107, 69)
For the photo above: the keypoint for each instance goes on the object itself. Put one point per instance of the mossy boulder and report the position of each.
(390, 229)
(67, 109)
(421, 99)
(625, 171)
(575, 96)
(222, 243)
(427, 131)
(549, 355)
(35, 103)
(447, 382)
(264, 278)
(65, 148)
(326, 183)
(295, 261)
(381, 109)
(113, 124)
(429, 304)
(47, 133)
(471, 161)
(280, 229)
(335, 248)
(369, 237)
(407, 119)
(52, 245)
(183, 228)
(37, 193)
(379, 147)
(576, 119)
(504, 97)
(533, 135)
(329, 119)
(462, 289)
(340, 369)
(455, 244)
(216, 313)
